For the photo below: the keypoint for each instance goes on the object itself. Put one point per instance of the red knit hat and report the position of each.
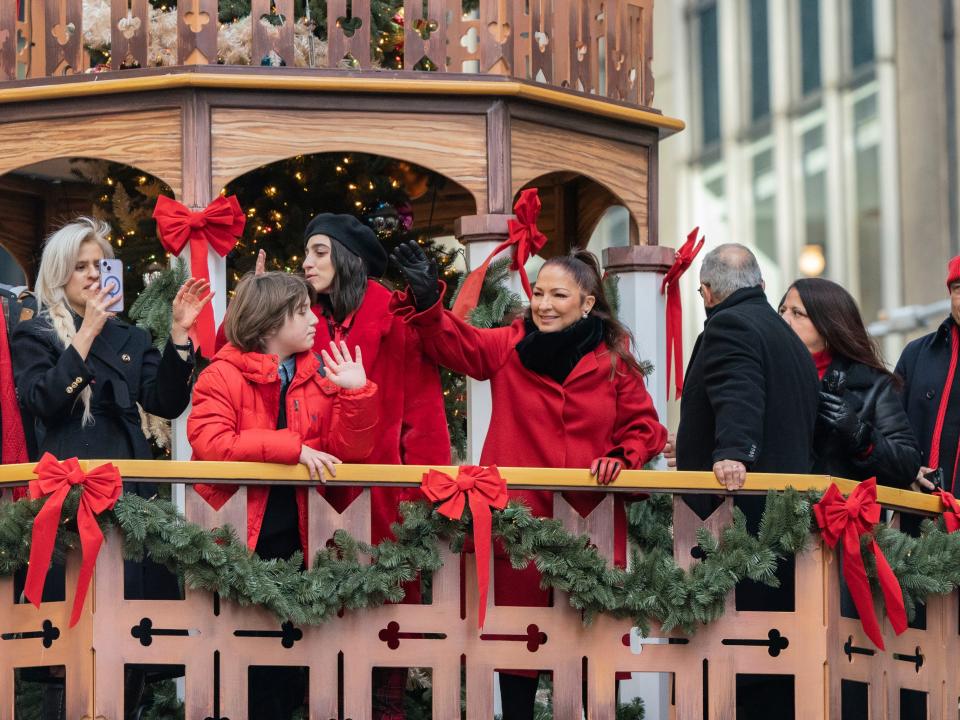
(953, 271)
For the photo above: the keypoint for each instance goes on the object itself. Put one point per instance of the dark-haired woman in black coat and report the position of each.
(862, 430)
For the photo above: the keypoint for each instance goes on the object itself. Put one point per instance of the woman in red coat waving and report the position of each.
(567, 393)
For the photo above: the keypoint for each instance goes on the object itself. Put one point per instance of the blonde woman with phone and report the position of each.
(80, 370)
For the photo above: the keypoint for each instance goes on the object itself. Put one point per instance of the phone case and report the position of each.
(111, 275)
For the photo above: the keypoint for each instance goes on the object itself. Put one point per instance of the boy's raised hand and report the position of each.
(344, 371)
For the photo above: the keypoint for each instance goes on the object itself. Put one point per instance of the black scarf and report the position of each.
(556, 354)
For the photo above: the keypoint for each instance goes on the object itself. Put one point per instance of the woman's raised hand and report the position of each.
(344, 371)
(261, 265)
(189, 301)
(95, 316)
(420, 273)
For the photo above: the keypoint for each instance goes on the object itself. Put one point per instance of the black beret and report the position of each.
(354, 236)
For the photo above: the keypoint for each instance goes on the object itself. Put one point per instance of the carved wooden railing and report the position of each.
(601, 47)
(823, 655)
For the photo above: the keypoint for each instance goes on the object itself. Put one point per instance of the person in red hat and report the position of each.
(931, 393)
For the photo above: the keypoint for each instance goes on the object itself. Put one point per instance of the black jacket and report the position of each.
(750, 391)
(924, 364)
(894, 457)
(122, 367)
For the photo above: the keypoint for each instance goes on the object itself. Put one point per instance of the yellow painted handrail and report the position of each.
(521, 478)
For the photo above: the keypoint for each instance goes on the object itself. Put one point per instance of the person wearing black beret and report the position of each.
(342, 259)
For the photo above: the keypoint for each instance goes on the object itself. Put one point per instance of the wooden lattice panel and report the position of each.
(425, 34)
(8, 41)
(64, 37)
(273, 40)
(498, 19)
(197, 32)
(463, 40)
(545, 27)
(129, 28)
(217, 642)
(348, 34)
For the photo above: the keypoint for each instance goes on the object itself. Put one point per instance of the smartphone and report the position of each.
(111, 277)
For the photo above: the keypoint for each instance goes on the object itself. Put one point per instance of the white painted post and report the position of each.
(480, 235)
(179, 445)
(640, 269)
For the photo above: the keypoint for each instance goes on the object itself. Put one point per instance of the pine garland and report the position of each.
(153, 308)
(654, 590)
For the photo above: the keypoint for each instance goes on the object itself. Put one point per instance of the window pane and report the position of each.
(814, 158)
(809, 46)
(867, 168)
(764, 205)
(759, 61)
(709, 74)
(861, 32)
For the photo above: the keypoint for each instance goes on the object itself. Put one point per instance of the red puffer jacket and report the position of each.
(236, 403)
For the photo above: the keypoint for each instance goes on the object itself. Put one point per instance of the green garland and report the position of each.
(654, 590)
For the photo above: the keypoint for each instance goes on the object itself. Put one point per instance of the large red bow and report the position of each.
(526, 240)
(849, 519)
(670, 285)
(483, 488)
(101, 487)
(951, 510)
(217, 226)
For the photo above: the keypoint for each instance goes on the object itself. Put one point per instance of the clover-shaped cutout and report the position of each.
(425, 28)
(542, 40)
(129, 25)
(499, 31)
(471, 40)
(349, 25)
(63, 32)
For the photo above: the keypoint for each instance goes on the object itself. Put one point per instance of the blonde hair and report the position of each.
(60, 252)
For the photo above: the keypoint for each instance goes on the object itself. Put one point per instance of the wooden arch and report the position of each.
(573, 205)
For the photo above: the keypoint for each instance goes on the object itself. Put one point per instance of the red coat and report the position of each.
(236, 403)
(537, 422)
(413, 424)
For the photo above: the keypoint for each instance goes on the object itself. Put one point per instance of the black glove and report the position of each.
(842, 419)
(420, 273)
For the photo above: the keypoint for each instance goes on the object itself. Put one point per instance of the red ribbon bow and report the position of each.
(217, 226)
(670, 285)
(526, 240)
(483, 488)
(951, 510)
(101, 489)
(849, 519)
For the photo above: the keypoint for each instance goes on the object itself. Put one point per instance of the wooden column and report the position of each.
(480, 235)
(197, 194)
(640, 269)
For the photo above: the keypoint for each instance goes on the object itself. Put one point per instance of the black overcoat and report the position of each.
(923, 366)
(893, 456)
(123, 369)
(750, 391)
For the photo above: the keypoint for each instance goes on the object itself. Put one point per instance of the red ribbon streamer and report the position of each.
(951, 510)
(217, 226)
(483, 488)
(670, 285)
(848, 520)
(101, 489)
(526, 240)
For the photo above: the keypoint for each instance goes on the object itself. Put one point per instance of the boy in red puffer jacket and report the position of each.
(266, 397)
